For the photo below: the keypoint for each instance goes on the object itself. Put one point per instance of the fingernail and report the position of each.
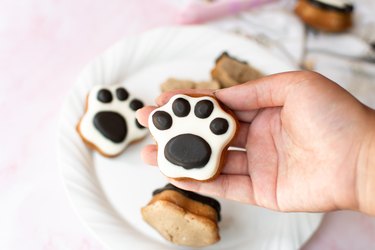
(136, 114)
(138, 111)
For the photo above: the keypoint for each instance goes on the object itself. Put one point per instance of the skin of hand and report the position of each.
(309, 145)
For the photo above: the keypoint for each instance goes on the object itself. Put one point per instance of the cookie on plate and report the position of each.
(326, 15)
(192, 134)
(229, 71)
(109, 124)
(173, 84)
(183, 217)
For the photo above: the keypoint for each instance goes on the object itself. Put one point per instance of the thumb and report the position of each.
(269, 91)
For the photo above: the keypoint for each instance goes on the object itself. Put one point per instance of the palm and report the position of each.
(289, 155)
(302, 134)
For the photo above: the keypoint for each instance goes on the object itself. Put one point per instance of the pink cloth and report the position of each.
(43, 46)
(200, 12)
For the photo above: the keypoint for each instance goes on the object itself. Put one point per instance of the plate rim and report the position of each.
(113, 214)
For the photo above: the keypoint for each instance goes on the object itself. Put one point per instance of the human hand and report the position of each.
(307, 144)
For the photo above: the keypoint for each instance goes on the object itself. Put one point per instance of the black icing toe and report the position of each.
(203, 109)
(181, 107)
(105, 96)
(219, 126)
(122, 94)
(136, 104)
(162, 120)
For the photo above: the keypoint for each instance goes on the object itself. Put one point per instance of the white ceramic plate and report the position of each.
(108, 193)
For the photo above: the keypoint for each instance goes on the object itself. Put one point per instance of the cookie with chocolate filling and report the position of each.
(326, 15)
(229, 71)
(183, 217)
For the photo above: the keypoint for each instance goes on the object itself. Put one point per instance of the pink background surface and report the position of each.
(43, 46)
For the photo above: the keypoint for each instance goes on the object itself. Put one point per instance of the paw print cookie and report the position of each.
(109, 123)
(192, 134)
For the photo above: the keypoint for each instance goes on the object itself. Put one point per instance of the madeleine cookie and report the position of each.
(326, 15)
(183, 217)
(109, 124)
(192, 134)
(229, 71)
(213, 84)
(173, 84)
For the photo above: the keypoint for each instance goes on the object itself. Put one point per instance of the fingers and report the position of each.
(232, 187)
(235, 163)
(143, 114)
(270, 91)
(149, 154)
(246, 116)
(240, 138)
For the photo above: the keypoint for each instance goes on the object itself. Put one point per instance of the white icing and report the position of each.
(91, 134)
(337, 3)
(196, 126)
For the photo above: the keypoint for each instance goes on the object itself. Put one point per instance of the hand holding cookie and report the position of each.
(192, 134)
(304, 140)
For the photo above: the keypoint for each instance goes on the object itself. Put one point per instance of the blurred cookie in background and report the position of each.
(183, 217)
(229, 71)
(174, 83)
(326, 15)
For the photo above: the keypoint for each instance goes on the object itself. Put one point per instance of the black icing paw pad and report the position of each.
(109, 123)
(191, 133)
(188, 151)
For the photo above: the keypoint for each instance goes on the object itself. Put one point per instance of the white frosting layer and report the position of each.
(196, 126)
(337, 3)
(91, 134)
